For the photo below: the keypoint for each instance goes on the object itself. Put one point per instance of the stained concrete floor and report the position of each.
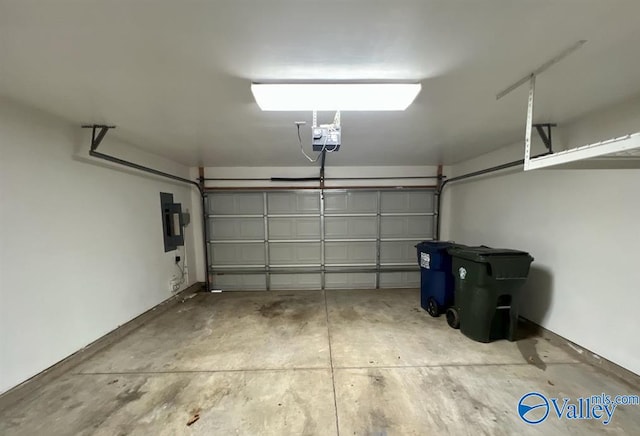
(312, 363)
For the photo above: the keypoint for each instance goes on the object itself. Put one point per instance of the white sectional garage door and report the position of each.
(309, 239)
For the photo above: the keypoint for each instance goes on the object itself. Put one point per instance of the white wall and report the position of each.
(580, 225)
(81, 247)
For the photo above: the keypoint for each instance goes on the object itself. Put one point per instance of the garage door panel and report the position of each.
(351, 202)
(398, 252)
(407, 201)
(294, 228)
(294, 239)
(409, 279)
(293, 202)
(237, 254)
(244, 282)
(236, 228)
(236, 204)
(350, 280)
(350, 227)
(420, 227)
(295, 253)
(295, 281)
(350, 253)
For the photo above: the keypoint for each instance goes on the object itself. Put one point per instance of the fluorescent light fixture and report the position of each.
(335, 96)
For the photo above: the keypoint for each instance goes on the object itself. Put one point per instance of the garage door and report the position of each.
(308, 239)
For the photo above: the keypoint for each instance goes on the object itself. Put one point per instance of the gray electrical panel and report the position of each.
(172, 222)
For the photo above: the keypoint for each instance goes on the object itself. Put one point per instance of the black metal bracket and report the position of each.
(545, 136)
(324, 156)
(97, 139)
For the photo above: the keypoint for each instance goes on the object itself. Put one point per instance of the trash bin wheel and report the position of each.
(432, 307)
(452, 318)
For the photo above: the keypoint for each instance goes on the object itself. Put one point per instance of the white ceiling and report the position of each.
(175, 76)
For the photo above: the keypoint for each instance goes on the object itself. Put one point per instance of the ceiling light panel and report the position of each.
(335, 96)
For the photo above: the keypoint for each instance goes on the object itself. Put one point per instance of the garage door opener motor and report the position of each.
(324, 137)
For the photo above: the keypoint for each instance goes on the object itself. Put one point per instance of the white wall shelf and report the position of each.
(619, 149)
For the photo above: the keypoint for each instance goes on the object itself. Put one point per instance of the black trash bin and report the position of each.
(487, 285)
(436, 279)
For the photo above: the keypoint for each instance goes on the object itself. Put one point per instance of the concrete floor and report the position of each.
(310, 363)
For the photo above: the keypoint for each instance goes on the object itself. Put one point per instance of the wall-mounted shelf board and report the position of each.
(622, 152)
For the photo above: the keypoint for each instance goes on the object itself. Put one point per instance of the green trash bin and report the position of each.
(488, 281)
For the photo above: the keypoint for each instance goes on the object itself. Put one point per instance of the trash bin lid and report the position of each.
(485, 254)
(437, 246)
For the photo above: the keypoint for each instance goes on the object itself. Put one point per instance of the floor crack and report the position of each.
(333, 378)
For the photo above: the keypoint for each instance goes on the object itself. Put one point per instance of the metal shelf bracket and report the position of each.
(546, 135)
(101, 130)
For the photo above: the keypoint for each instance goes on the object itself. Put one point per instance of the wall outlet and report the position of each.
(174, 284)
